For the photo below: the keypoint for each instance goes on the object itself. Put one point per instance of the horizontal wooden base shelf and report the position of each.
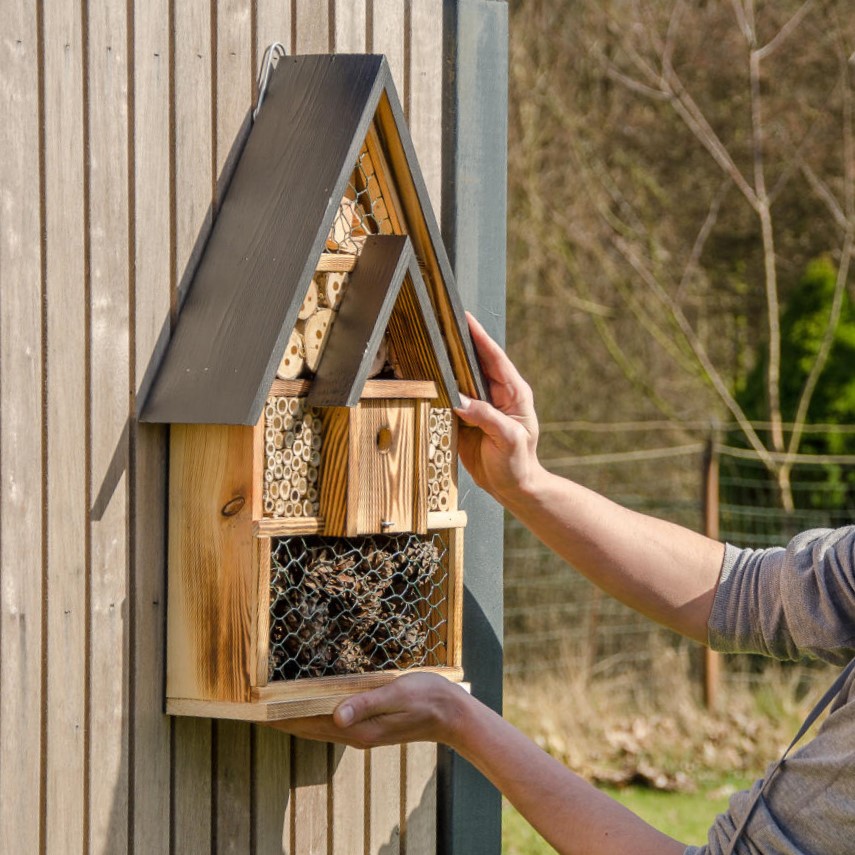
(297, 698)
(270, 527)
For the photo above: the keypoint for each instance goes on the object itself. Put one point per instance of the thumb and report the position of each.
(362, 707)
(494, 423)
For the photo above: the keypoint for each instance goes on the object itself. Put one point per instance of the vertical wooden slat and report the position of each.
(192, 167)
(233, 788)
(384, 797)
(20, 433)
(234, 86)
(271, 762)
(309, 798)
(424, 92)
(347, 779)
(311, 26)
(109, 406)
(348, 799)
(152, 302)
(419, 795)
(386, 35)
(271, 791)
(349, 26)
(424, 115)
(65, 285)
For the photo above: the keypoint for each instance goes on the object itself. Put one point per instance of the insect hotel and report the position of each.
(315, 541)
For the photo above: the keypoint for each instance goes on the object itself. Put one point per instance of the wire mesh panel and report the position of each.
(362, 212)
(357, 605)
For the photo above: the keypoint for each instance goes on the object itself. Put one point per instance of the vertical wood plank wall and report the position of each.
(121, 122)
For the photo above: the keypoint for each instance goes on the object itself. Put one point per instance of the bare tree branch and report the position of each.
(785, 32)
(703, 235)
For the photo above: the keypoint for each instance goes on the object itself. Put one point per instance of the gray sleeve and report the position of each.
(788, 603)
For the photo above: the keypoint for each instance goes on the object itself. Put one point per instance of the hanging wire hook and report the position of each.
(271, 58)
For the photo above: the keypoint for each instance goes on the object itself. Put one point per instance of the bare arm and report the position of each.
(570, 813)
(662, 570)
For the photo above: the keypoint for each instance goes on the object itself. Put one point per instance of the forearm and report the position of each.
(662, 570)
(571, 814)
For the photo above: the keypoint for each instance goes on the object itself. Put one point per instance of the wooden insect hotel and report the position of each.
(315, 541)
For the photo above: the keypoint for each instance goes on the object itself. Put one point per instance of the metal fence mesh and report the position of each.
(355, 605)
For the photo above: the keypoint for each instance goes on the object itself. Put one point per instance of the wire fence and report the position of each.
(553, 615)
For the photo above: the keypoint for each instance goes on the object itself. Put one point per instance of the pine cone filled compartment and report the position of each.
(357, 605)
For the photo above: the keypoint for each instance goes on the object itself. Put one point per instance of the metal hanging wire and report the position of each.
(271, 57)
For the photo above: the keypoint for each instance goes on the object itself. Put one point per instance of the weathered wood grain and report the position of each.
(419, 793)
(193, 169)
(386, 35)
(309, 797)
(423, 101)
(109, 411)
(232, 787)
(152, 301)
(192, 787)
(347, 795)
(383, 793)
(271, 791)
(67, 411)
(21, 483)
(212, 588)
(349, 26)
(311, 27)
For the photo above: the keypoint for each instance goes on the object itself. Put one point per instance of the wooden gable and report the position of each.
(386, 289)
(320, 112)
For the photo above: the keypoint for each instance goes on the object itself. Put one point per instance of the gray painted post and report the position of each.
(474, 203)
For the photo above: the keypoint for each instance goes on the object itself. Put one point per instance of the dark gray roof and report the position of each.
(270, 231)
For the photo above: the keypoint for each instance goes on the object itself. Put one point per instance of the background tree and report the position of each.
(674, 168)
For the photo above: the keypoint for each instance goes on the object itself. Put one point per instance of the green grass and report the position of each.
(684, 816)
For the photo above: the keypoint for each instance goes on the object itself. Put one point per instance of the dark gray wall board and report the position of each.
(362, 318)
(473, 226)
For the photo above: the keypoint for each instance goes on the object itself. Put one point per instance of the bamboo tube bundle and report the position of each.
(440, 458)
(293, 436)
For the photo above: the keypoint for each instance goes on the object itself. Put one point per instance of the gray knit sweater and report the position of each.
(787, 603)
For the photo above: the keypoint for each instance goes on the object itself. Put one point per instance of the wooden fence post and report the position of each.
(710, 505)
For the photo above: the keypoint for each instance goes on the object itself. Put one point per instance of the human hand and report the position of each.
(498, 442)
(419, 707)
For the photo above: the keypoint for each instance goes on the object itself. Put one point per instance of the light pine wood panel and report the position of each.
(311, 27)
(20, 433)
(423, 103)
(66, 286)
(109, 373)
(152, 299)
(193, 171)
(349, 26)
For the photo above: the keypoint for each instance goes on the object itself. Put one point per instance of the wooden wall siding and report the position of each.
(125, 120)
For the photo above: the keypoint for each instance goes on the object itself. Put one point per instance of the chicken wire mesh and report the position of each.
(356, 605)
(363, 210)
